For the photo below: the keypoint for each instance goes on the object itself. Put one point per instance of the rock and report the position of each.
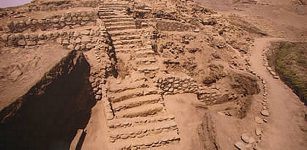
(258, 131)
(55, 20)
(59, 40)
(85, 18)
(71, 47)
(78, 40)
(89, 46)
(4, 37)
(77, 47)
(273, 73)
(269, 68)
(251, 140)
(245, 137)
(85, 39)
(31, 43)
(259, 120)
(85, 32)
(98, 97)
(196, 30)
(99, 92)
(265, 113)
(14, 75)
(240, 145)
(21, 42)
(65, 42)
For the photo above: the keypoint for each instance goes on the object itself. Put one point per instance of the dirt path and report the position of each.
(286, 121)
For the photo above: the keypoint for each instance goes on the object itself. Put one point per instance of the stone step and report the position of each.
(131, 41)
(127, 46)
(143, 130)
(120, 23)
(146, 44)
(152, 141)
(141, 111)
(148, 68)
(135, 102)
(113, 28)
(115, 16)
(133, 49)
(112, 8)
(146, 60)
(106, 13)
(127, 32)
(114, 4)
(115, 88)
(117, 20)
(117, 97)
(126, 37)
(144, 52)
(131, 122)
(102, 11)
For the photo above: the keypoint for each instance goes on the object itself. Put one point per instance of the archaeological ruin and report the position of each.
(130, 74)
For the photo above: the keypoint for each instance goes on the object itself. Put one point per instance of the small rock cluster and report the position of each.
(71, 20)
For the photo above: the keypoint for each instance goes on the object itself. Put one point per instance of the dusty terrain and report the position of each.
(143, 74)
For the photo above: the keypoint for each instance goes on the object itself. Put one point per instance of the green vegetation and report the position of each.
(290, 61)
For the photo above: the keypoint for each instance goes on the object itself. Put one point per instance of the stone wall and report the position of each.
(174, 26)
(177, 85)
(63, 5)
(70, 20)
(79, 40)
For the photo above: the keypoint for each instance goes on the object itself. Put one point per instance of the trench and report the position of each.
(49, 115)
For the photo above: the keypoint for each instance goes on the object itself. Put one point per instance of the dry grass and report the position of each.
(290, 62)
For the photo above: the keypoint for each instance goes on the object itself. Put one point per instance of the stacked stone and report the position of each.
(143, 132)
(140, 121)
(84, 40)
(54, 22)
(158, 143)
(101, 49)
(176, 85)
(54, 7)
(208, 96)
(77, 40)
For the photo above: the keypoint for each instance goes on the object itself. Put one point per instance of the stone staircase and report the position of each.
(139, 118)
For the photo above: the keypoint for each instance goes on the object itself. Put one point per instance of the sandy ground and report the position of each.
(279, 18)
